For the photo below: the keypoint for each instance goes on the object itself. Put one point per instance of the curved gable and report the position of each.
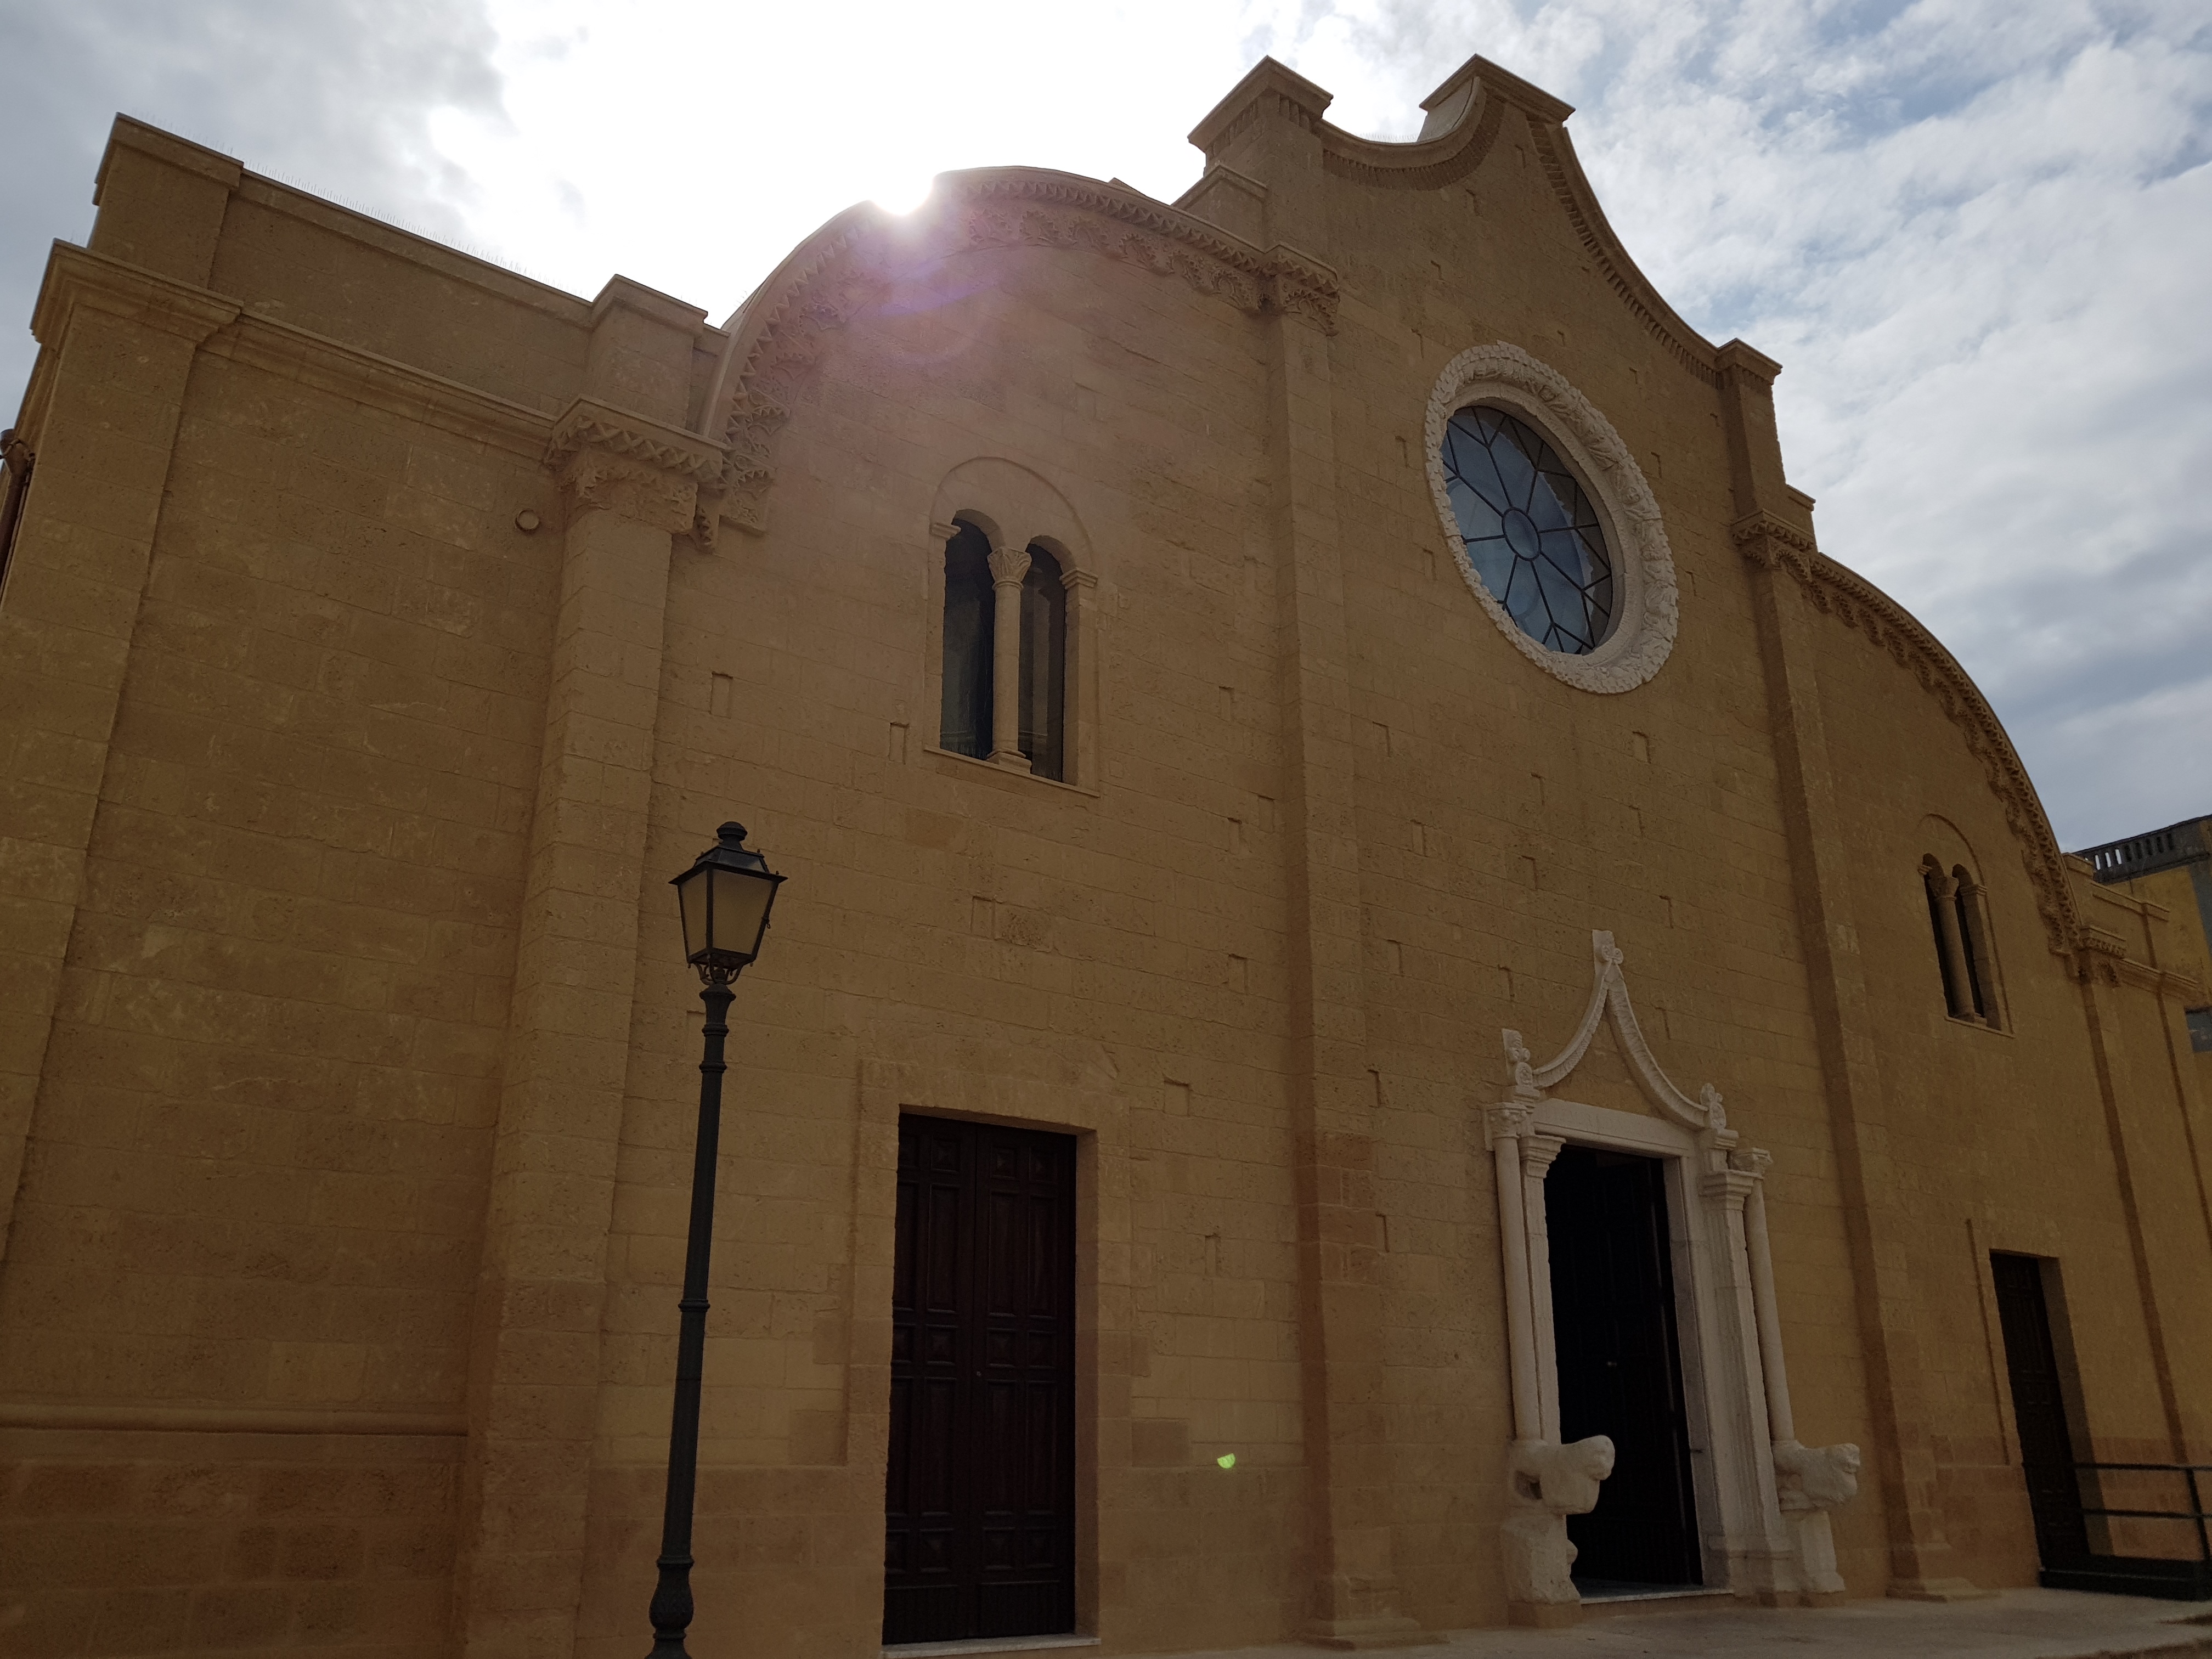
(840, 270)
(1466, 115)
(1856, 603)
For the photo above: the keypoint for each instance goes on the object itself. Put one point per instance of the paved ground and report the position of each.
(2022, 1624)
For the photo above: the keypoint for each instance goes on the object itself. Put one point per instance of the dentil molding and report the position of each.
(1771, 543)
(846, 268)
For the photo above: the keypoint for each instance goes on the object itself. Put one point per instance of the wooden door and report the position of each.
(980, 1500)
(1620, 1373)
(2038, 1409)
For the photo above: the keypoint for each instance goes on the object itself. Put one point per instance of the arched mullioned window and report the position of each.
(965, 727)
(1033, 585)
(1959, 919)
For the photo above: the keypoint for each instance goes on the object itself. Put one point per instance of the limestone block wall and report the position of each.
(301, 699)
(384, 630)
(1106, 960)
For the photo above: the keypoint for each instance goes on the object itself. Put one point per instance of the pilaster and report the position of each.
(630, 485)
(2147, 1176)
(1355, 1587)
(120, 342)
(1774, 525)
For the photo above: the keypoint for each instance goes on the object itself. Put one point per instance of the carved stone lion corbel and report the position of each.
(1810, 1481)
(1545, 1483)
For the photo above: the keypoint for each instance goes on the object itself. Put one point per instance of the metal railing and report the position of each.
(2196, 1513)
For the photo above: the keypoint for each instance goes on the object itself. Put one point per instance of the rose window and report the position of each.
(1530, 530)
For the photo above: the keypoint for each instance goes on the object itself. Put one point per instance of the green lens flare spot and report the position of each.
(1227, 1460)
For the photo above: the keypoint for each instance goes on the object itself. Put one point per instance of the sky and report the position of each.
(1978, 233)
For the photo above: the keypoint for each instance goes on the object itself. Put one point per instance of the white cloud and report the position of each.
(1974, 231)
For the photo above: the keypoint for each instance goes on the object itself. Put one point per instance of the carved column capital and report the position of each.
(613, 460)
(1752, 1161)
(595, 481)
(1008, 566)
(1506, 1122)
(1772, 544)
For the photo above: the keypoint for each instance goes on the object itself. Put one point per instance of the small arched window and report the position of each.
(1959, 919)
(1005, 693)
(1044, 664)
(965, 728)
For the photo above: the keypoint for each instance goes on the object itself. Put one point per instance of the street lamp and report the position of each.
(725, 898)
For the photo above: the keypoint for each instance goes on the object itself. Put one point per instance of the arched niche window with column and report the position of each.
(1012, 658)
(1042, 710)
(1958, 917)
(964, 725)
(1003, 688)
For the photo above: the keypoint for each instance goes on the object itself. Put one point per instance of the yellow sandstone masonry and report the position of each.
(382, 629)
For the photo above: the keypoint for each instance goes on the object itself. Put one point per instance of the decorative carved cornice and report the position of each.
(585, 424)
(1650, 603)
(843, 270)
(1555, 154)
(1021, 205)
(623, 462)
(1430, 166)
(1771, 544)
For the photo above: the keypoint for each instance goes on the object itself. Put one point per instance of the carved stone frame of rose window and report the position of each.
(1763, 1499)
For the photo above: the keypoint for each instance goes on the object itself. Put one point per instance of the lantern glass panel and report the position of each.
(691, 896)
(740, 908)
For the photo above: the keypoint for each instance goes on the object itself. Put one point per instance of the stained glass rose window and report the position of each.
(1530, 529)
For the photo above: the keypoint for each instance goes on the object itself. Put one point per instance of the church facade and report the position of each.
(1396, 1008)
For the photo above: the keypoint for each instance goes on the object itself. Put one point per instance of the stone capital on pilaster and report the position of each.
(615, 460)
(1773, 544)
(1506, 1122)
(1752, 1161)
(1008, 566)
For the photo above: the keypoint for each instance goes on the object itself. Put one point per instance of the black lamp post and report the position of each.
(725, 897)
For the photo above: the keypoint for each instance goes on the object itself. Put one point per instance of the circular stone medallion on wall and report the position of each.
(1550, 518)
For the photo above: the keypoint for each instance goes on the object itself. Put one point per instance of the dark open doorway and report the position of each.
(1620, 1372)
(2073, 1532)
(2039, 1407)
(980, 1500)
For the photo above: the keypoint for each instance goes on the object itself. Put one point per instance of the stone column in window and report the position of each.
(1009, 565)
(1958, 986)
(1974, 927)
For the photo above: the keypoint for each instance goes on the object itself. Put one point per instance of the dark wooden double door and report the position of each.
(1620, 1373)
(979, 1501)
